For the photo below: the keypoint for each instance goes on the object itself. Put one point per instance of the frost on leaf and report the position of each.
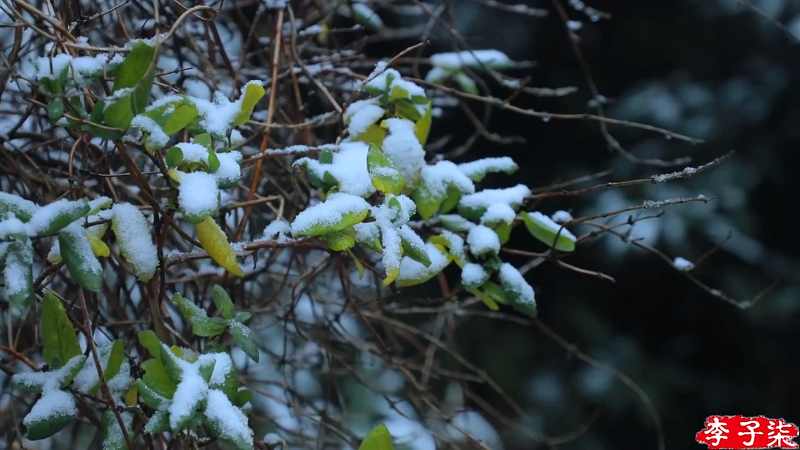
(337, 212)
(413, 272)
(219, 116)
(118, 377)
(348, 169)
(21, 208)
(361, 114)
(229, 172)
(113, 437)
(198, 196)
(517, 290)
(134, 235)
(50, 219)
(76, 251)
(403, 149)
(494, 59)
(227, 420)
(18, 272)
(396, 237)
(499, 213)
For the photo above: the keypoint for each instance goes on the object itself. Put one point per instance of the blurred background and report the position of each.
(724, 71)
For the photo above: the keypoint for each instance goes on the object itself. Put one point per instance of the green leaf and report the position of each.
(340, 210)
(222, 428)
(385, 177)
(149, 340)
(119, 114)
(398, 92)
(213, 161)
(158, 423)
(157, 380)
(548, 232)
(196, 317)
(45, 426)
(18, 272)
(55, 109)
(171, 367)
(206, 369)
(423, 126)
(242, 316)
(427, 201)
(466, 83)
(76, 252)
(494, 291)
(326, 156)
(58, 337)
(488, 301)
(150, 397)
(407, 110)
(223, 301)
(451, 200)
(174, 157)
(415, 251)
(52, 218)
(377, 439)
(179, 119)
(373, 135)
(244, 339)
(503, 231)
(341, 240)
(242, 397)
(203, 139)
(21, 208)
(253, 92)
(135, 71)
(115, 359)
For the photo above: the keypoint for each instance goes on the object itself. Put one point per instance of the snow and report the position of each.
(561, 216)
(349, 167)
(378, 81)
(11, 226)
(115, 438)
(83, 67)
(361, 114)
(193, 152)
(456, 245)
(198, 194)
(134, 235)
(367, 232)
(18, 203)
(87, 378)
(362, 10)
(274, 4)
(279, 228)
(17, 270)
(513, 196)
(389, 220)
(437, 75)
(483, 240)
(473, 275)
(191, 390)
(474, 58)
(44, 216)
(499, 212)
(156, 137)
(218, 114)
(443, 174)
(478, 169)
(403, 149)
(548, 223)
(684, 265)
(412, 270)
(329, 212)
(230, 170)
(223, 364)
(54, 402)
(88, 261)
(455, 222)
(514, 281)
(230, 419)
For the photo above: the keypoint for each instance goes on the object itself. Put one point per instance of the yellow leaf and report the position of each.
(132, 396)
(423, 126)
(322, 37)
(176, 177)
(391, 276)
(374, 135)
(359, 265)
(214, 241)
(485, 299)
(99, 248)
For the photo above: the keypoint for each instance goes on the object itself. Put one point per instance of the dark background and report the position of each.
(712, 69)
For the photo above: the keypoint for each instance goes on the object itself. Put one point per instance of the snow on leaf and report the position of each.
(337, 212)
(497, 214)
(456, 223)
(494, 59)
(477, 170)
(404, 150)
(76, 251)
(220, 115)
(361, 114)
(561, 216)
(473, 276)
(134, 235)
(348, 168)
(483, 241)
(684, 265)
(547, 231)
(198, 196)
(434, 184)
(21, 208)
(519, 293)
(229, 172)
(18, 273)
(228, 420)
(413, 272)
(474, 205)
(50, 219)
(113, 437)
